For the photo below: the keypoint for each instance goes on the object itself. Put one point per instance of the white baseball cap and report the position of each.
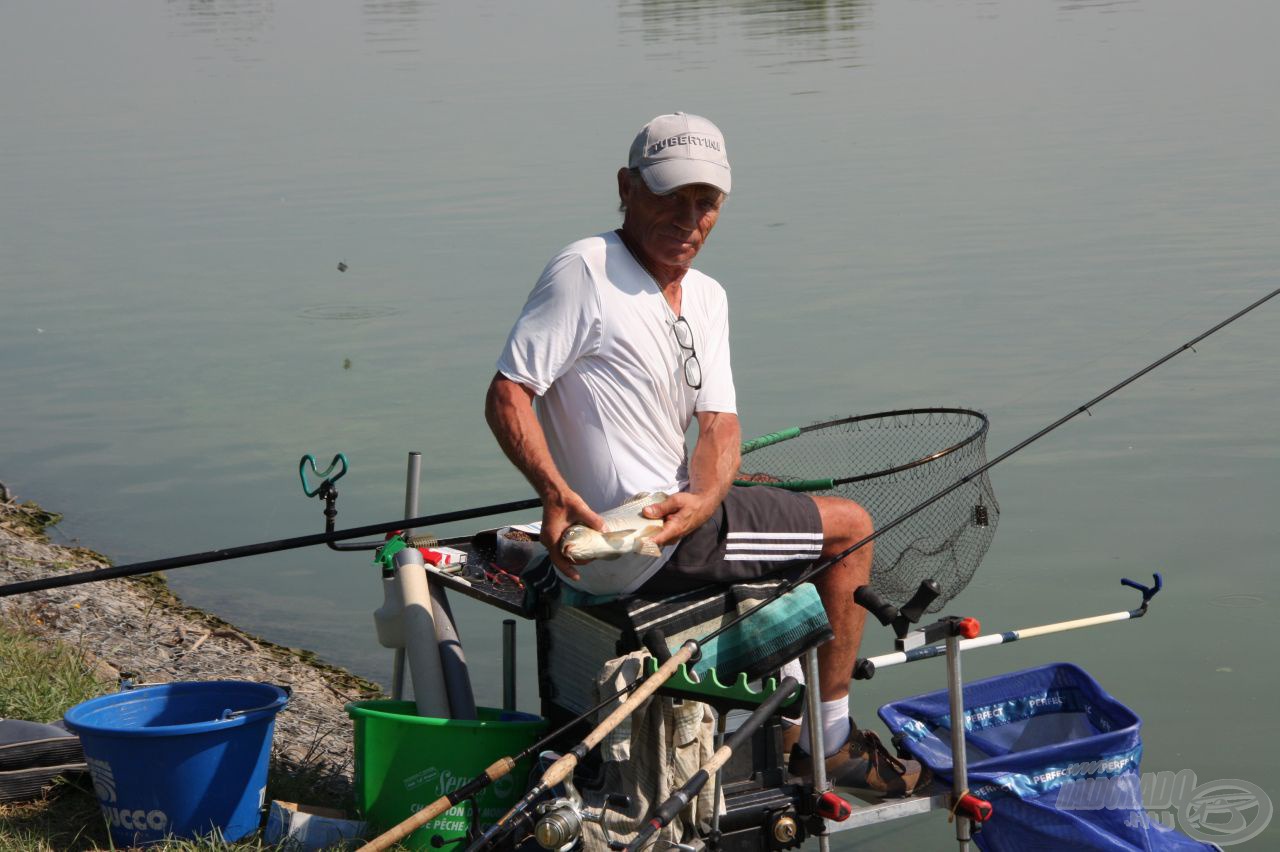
(679, 149)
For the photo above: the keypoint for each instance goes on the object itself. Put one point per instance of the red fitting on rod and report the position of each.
(831, 806)
(969, 628)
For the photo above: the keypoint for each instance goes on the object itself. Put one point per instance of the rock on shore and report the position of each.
(138, 626)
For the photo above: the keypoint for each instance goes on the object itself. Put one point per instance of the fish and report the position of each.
(625, 531)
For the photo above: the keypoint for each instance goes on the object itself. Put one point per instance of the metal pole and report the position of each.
(412, 477)
(722, 725)
(959, 761)
(508, 664)
(817, 748)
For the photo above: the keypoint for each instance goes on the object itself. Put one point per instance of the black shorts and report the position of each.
(758, 531)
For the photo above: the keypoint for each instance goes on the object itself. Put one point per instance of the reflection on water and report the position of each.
(235, 26)
(394, 26)
(238, 27)
(816, 31)
(826, 30)
(1101, 5)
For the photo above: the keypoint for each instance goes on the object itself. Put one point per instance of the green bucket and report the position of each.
(405, 761)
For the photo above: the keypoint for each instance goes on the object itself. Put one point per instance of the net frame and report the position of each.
(888, 462)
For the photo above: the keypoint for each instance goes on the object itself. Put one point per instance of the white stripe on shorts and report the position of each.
(777, 536)
(816, 546)
(770, 557)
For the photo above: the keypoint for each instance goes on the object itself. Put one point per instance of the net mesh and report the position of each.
(937, 447)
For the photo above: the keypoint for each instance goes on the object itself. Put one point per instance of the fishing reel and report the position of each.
(559, 824)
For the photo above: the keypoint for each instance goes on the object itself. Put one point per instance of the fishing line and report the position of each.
(815, 570)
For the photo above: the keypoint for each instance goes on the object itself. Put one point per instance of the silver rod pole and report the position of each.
(722, 724)
(959, 760)
(817, 748)
(412, 477)
(508, 664)
(397, 675)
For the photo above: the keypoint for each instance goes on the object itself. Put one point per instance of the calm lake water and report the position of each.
(1005, 205)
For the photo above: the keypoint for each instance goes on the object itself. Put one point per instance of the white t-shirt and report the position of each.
(595, 343)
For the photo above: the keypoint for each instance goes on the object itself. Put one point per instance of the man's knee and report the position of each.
(844, 522)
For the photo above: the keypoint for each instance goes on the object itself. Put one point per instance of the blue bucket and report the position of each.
(180, 760)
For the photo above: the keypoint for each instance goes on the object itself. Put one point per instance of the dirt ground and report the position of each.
(137, 627)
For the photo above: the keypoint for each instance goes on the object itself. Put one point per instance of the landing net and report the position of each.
(889, 463)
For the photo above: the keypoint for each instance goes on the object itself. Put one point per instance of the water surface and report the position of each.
(997, 204)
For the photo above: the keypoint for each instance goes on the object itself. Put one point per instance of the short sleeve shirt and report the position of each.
(595, 342)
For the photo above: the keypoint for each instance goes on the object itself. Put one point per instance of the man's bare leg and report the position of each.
(860, 761)
(844, 523)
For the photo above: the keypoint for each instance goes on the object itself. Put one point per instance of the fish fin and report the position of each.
(648, 548)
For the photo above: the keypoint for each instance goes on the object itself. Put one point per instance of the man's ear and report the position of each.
(624, 186)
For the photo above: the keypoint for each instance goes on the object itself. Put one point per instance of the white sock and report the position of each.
(795, 670)
(835, 726)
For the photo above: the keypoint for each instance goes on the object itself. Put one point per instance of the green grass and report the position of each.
(39, 680)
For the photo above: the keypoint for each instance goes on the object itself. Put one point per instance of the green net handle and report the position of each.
(771, 438)
(794, 484)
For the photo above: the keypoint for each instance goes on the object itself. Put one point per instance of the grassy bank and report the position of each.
(61, 648)
(39, 681)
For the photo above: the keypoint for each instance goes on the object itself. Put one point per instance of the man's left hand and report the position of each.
(681, 514)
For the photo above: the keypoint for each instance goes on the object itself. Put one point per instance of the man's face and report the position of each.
(669, 229)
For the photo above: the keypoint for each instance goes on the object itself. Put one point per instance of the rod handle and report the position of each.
(394, 835)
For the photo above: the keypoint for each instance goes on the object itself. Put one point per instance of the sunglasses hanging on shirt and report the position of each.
(684, 337)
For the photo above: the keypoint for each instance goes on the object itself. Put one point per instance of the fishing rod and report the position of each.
(564, 766)
(691, 647)
(815, 570)
(866, 667)
(242, 551)
(677, 801)
(468, 514)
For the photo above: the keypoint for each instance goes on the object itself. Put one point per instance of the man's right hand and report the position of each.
(559, 512)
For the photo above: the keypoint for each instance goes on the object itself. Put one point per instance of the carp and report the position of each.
(625, 531)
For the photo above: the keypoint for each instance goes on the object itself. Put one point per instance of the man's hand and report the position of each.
(559, 512)
(681, 513)
(711, 468)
